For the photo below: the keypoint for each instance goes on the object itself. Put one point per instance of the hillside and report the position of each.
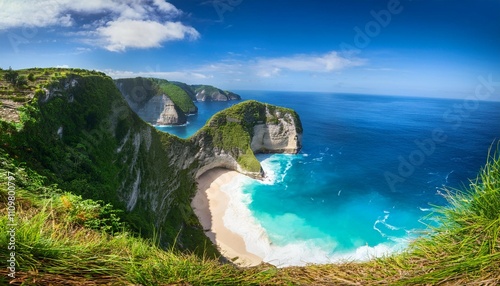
(101, 197)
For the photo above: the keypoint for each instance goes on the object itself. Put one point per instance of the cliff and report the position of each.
(160, 102)
(232, 137)
(157, 101)
(79, 132)
(210, 93)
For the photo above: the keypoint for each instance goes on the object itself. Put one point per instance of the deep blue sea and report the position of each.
(369, 173)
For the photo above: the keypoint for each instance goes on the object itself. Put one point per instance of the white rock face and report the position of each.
(160, 110)
(276, 138)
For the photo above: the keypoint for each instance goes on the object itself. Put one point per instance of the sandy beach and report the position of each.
(210, 205)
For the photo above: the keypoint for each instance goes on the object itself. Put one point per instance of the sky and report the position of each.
(432, 48)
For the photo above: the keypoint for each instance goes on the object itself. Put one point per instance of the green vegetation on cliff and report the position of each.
(79, 133)
(178, 95)
(187, 88)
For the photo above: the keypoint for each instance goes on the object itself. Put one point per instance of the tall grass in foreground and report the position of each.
(55, 248)
(466, 246)
(51, 250)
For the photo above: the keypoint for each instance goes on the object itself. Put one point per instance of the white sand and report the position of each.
(210, 205)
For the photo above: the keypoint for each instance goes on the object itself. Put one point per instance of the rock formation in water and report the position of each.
(232, 137)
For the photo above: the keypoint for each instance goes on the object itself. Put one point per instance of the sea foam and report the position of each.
(298, 245)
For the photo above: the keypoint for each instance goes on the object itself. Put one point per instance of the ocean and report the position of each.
(371, 170)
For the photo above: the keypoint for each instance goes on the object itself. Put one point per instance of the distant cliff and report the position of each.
(207, 92)
(78, 130)
(157, 101)
(161, 102)
(210, 93)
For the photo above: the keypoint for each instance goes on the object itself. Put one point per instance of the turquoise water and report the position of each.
(370, 170)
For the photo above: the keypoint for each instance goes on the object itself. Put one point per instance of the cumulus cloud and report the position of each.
(122, 34)
(121, 24)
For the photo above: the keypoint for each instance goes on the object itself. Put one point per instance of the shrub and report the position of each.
(11, 76)
(21, 81)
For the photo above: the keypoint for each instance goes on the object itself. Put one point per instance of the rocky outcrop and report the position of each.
(210, 93)
(281, 137)
(160, 102)
(161, 110)
(207, 92)
(156, 101)
(233, 136)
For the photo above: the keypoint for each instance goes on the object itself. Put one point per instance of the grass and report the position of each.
(466, 245)
(464, 249)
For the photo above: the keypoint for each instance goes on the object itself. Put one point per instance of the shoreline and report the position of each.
(210, 204)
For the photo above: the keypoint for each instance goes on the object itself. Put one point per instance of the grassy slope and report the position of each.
(187, 88)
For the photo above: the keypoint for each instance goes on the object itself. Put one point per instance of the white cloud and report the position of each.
(122, 34)
(272, 67)
(262, 72)
(328, 62)
(165, 6)
(123, 23)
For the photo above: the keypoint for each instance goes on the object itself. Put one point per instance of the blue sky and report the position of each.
(397, 47)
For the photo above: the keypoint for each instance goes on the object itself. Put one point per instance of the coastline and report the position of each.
(210, 204)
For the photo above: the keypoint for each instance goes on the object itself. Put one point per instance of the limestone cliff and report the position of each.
(233, 136)
(210, 93)
(161, 110)
(160, 102)
(156, 101)
(280, 136)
